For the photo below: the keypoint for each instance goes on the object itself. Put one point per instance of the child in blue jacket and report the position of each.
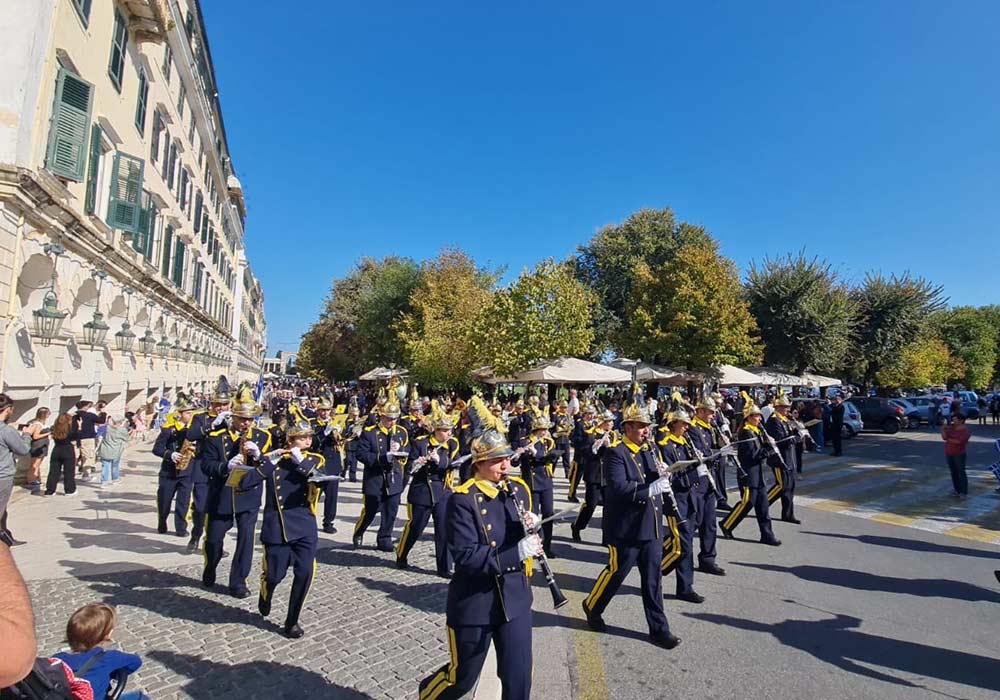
(88, 628)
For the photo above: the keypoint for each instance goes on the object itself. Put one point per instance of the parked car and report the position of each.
(879, 412)
(969, 399)
(911, 413)
(852, 421)
(923, 404)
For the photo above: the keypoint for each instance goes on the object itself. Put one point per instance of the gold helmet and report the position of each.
(540, 420)
(678, 415)
(220, 394)
(635, 410)
(299, 428)
(781, 399)
(183, 403)
(324, 402)
(390, 409)
(244, 406)
(707, 403)
(490, 445)
(439, 419)
(749, 407)
(354, 409)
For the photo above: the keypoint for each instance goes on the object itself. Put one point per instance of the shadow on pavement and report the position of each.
(123, 542)
(912, 545)
(111, 525)
(120, 506)
(427, 597)
(256, 679)
(864, 581)
(837, 641)
(567, 621)
(161, 592)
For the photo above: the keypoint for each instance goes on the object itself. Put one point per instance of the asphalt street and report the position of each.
(846, 606)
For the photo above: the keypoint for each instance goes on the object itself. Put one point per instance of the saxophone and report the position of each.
(188, 449)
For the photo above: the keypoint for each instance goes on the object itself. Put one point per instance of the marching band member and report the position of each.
(583, 420)
(328, 441)
(632, 524)
(489, 597)
(430, 457)
(589, 453)
(536, 471)
(751, 454)
(562, 429)
(690, 487)
(381, 451)
(702, 436)
(202, 423)
(175, 468)
(352, 429)
(784, 460)
(229, 452)
(288, 531)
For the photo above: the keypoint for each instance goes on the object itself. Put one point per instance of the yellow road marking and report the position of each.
(970, 531)
(592, 683)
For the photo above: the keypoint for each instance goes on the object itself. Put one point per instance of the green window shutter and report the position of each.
(197, 211)
(168, 241)
(178, 275)
(126, 193)
(67, 151)
(142, 240)
(154, 148)
(90, 202)
(140, 105)
(119, 41)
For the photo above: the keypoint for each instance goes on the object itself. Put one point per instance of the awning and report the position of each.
(728, 375)
(646, 372)
(565, 370)
(818, 380)
(380, 373)
(776, 377)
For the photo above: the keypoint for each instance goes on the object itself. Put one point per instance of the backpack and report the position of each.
(50, 679)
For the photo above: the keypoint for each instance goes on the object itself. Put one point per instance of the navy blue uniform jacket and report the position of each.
(631, 515)
(383, 475)
(221, 446)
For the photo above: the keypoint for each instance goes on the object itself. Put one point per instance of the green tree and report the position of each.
(925, 362)
(972, 336)
(806, 315)
(891, 314)
(438, 333)
(609, 262)
(357, 328)
(689, 311)
(544, 314)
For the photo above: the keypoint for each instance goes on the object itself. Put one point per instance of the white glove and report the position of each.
(274, 455)
(328, 429)
(296, 454)
(659, 486)
(221, 418)
(252, 448)
(727, 451)
(596, 447)
(530, 546)
(435, 457)
(175, 457)
(394, 446)
(531, 520)
(804, 434)
(702, 470)
(236, 461)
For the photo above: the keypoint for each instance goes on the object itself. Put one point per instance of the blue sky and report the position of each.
(867, 133)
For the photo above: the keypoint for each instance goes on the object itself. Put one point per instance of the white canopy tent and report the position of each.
(380, 373)
(818, 380)
(729, 375)
(564, 370)
(776, 377)
(647, 372)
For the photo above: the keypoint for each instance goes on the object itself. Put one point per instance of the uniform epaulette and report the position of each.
(321, 458)
(371, 427)
(527, 491)
(423, 437)
(464, 488)
(218, 432)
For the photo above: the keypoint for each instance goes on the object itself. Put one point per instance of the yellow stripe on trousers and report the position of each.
(736, 513)
(445, 677)
(779, 483)
(672, 554)
(264, 594)
(603, 578)
(406, 532)
(361, 518)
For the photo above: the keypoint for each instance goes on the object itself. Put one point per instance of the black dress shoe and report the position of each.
(329, 529)
(722, 505)
(772, 541)
(386, 548)
(182, 533)
(402, 564)
(161, 529)
(356, 541)
(444, 574)
(792, 520)
(294, 632)
(240, 593)
(594, 621)
(263, 606)
(726, 534)
(665, 640)
(573, 499)
(713, 569)
(691, 597)
(208, 583)
(576, 534)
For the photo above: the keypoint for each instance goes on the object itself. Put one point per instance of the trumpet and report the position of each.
(558, 599)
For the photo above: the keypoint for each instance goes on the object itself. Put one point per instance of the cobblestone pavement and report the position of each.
(372, 630)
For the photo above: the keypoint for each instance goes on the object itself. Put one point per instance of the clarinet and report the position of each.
(558, 599)
(662, 469)
(701, 458)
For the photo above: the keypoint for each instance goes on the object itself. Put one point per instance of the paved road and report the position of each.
(848, 605)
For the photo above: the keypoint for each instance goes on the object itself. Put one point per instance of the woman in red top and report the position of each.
(956, 437)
